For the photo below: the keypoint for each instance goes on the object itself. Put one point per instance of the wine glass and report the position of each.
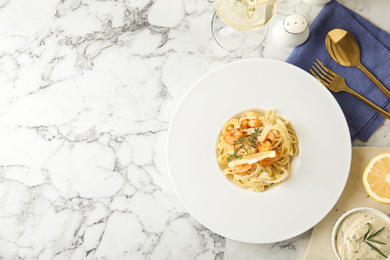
(239, 26)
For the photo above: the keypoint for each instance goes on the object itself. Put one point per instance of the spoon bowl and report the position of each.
(344, 49)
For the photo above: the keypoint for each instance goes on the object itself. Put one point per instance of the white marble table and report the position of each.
(87, 91)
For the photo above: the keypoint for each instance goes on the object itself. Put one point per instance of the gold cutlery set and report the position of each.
(344, 49)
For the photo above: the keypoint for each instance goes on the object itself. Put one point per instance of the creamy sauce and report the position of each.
(349, 238)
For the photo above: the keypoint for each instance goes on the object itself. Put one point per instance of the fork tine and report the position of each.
(319, 77)
(322, 74)
(326, 68)
(322, 71)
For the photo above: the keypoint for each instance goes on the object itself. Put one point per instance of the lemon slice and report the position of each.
(376, 178)
(253, 158)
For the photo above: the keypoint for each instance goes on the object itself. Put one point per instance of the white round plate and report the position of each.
(319, 172)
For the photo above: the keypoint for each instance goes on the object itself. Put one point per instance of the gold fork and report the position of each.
(337, 83)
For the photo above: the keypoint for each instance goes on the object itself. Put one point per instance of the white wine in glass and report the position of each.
(242, 18)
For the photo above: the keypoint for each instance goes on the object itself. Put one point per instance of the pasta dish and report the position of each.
(254, 150)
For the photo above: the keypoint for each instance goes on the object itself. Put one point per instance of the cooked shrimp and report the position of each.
(266, 145)
(239, 169)
(271, 136)
(232, 135)
(269, 161)
(248, 123)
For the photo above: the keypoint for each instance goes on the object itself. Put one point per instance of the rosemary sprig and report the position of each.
(369, 238)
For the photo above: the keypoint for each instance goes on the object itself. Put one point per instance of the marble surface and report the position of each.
(87, 92)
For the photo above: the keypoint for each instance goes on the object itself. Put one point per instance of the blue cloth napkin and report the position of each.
(375, 56)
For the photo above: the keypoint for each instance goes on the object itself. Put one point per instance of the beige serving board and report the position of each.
(353, 196)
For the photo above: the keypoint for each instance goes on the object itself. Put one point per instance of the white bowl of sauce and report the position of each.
(349, 239)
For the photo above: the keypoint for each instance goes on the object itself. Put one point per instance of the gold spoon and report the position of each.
(344, 49)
